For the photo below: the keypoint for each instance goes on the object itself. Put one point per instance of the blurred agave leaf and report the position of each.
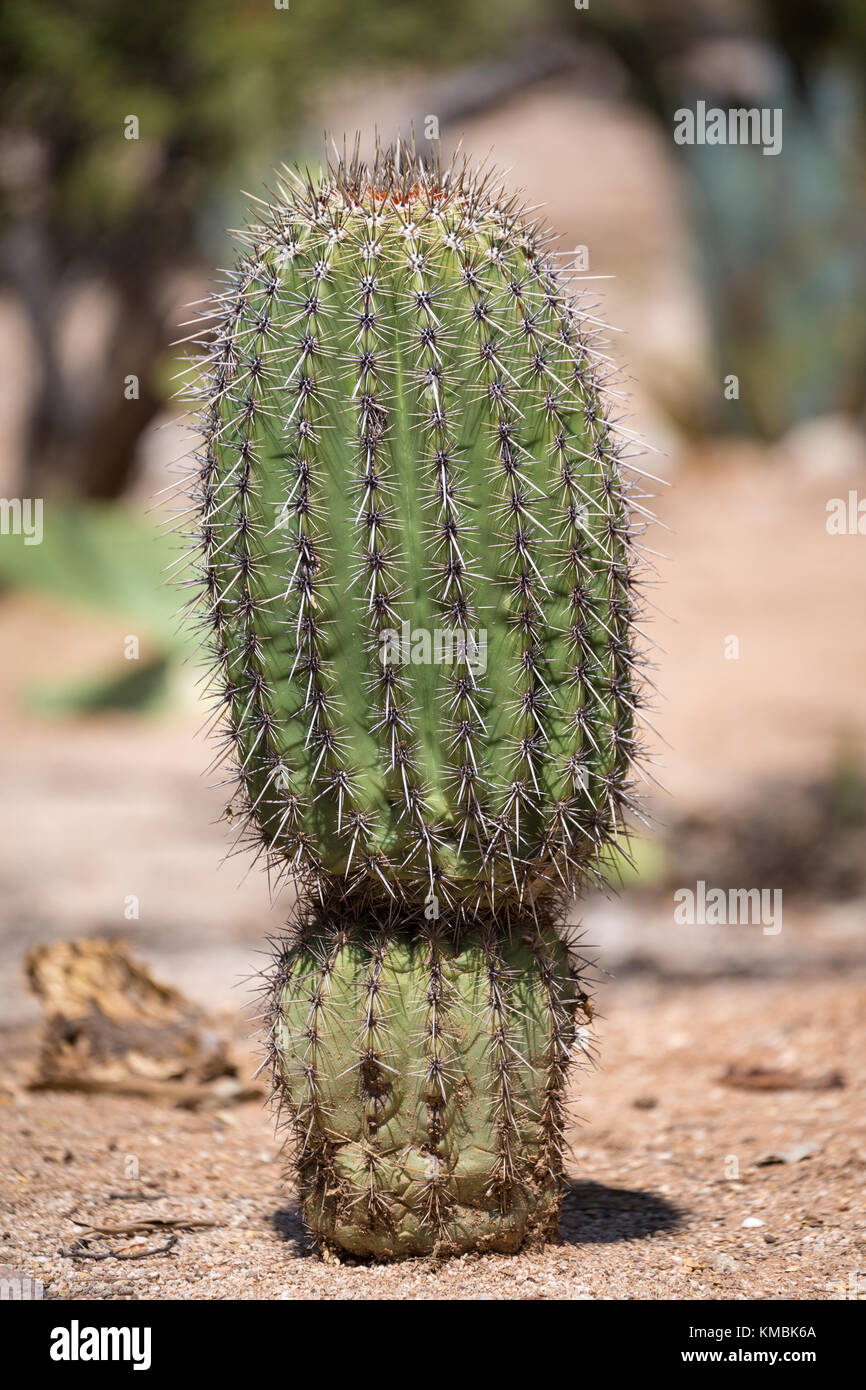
(648, 866)
(781, 260)
(143, 688)
(104, 558)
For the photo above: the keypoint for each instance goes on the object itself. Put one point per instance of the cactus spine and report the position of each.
(415, 553)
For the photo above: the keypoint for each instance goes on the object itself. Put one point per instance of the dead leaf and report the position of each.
(188, 1096)
(112, 1027)
(145, 1225)
(81, 1251)
(775, 1079)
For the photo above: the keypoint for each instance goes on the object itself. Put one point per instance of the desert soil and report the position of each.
(672, 1193)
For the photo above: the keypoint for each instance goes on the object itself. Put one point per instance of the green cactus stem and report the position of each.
(416, 556)
(424, 1076)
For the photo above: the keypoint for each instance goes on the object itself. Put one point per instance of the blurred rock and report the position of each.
(796, 1154)
(831, 446)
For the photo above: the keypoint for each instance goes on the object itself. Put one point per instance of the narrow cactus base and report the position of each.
(402, 1231)
(424, 1076)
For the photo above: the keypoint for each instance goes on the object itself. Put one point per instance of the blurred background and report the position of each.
(734, 280)
(732, 1071)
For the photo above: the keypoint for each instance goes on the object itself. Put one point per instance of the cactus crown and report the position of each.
(415, 546)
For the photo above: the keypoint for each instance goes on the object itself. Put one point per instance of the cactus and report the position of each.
(415, 552)
(424, 1076)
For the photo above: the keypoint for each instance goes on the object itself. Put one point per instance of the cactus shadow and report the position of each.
(593, 1214)
(289, 1225)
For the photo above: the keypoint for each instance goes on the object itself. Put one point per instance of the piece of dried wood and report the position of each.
(776, 1079)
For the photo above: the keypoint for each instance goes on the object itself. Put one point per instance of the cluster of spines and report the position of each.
(304, 970)
(302, 624)
(575, 840)
(437, 1083)
(380, 554)
(228, 566)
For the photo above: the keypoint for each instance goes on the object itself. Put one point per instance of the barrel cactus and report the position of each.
(417, 572)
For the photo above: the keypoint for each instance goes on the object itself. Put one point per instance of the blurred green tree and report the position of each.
(221, 88)
(217, 90)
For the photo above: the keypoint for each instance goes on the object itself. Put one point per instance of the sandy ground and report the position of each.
(670, 1194)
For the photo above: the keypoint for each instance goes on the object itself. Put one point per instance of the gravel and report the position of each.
(668, 1200)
